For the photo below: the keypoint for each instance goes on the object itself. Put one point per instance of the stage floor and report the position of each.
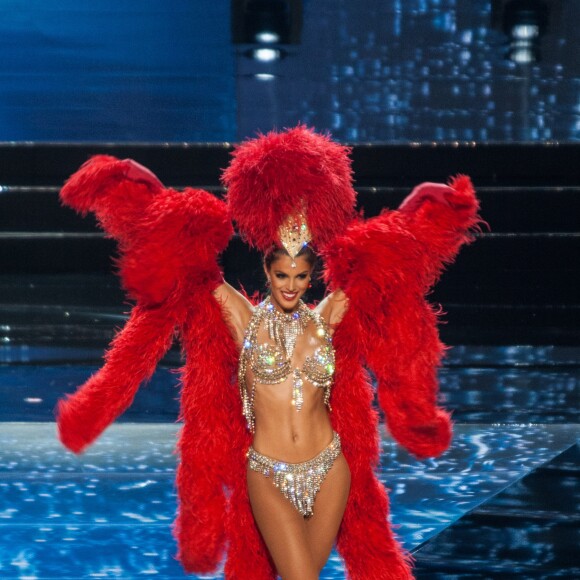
(107, 513)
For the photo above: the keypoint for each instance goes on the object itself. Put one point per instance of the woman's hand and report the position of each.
(137, 172)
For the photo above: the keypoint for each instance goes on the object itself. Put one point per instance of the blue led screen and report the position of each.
(372, 71)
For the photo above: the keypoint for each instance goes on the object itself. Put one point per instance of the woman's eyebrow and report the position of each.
(299, 274)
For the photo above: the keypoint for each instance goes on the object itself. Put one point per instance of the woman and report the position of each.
(244, 476)
(289, 417)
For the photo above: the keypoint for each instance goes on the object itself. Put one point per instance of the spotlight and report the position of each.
(266, 54)
(264, 77)
(524, 22)
(267, 37)
(266, 21)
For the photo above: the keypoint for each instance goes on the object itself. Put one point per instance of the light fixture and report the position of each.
(266, 22)
(524, 22)
(267, 37)
(265, 54)
(264, 77)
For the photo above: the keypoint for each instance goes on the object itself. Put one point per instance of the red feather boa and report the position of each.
(169, 243)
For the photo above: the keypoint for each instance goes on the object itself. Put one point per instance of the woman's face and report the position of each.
(288, 284)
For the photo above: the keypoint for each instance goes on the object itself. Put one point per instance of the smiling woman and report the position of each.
(287, 278)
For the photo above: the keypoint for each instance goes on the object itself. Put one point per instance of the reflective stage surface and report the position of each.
(107, 513)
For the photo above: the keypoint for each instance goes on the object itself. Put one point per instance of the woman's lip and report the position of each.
(289, 296)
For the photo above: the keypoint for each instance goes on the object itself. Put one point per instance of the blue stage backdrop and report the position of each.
(379, 70)
(116, 70)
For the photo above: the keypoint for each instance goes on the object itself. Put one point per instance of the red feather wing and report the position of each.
(385, 265)
(169, 242)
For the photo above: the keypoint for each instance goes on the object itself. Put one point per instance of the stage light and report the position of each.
(522, 54)
(524, 22)
(266, 54)
(264, 77)
(267, 37)
(525, 31)
(266, 22)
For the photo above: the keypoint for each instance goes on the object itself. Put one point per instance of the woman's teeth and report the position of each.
(289, 295)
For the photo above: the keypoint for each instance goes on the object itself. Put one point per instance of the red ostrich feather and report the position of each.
(272, 175)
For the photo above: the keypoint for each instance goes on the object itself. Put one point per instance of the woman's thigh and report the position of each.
(283, 529)
(329, 505)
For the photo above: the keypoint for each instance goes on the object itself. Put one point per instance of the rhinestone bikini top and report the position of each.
(271, 363)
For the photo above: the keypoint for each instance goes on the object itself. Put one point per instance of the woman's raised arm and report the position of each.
(237, 310)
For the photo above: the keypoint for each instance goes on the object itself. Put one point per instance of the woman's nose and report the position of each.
(292, 283)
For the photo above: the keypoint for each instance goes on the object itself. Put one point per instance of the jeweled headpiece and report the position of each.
(294, 234)
(290, 187)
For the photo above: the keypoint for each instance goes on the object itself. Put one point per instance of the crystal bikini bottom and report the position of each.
(299, 482)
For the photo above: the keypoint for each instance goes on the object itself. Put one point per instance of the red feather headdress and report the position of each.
(284, 174)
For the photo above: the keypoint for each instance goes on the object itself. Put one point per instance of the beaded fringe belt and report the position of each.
(299, 482)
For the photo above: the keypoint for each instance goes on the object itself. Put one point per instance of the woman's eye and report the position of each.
(280, 276)
(302, 276)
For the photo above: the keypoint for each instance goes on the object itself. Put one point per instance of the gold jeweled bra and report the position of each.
(271, 363)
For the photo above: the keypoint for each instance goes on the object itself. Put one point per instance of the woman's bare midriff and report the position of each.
(284, 433)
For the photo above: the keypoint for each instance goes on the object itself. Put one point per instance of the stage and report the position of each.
(502, 502)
